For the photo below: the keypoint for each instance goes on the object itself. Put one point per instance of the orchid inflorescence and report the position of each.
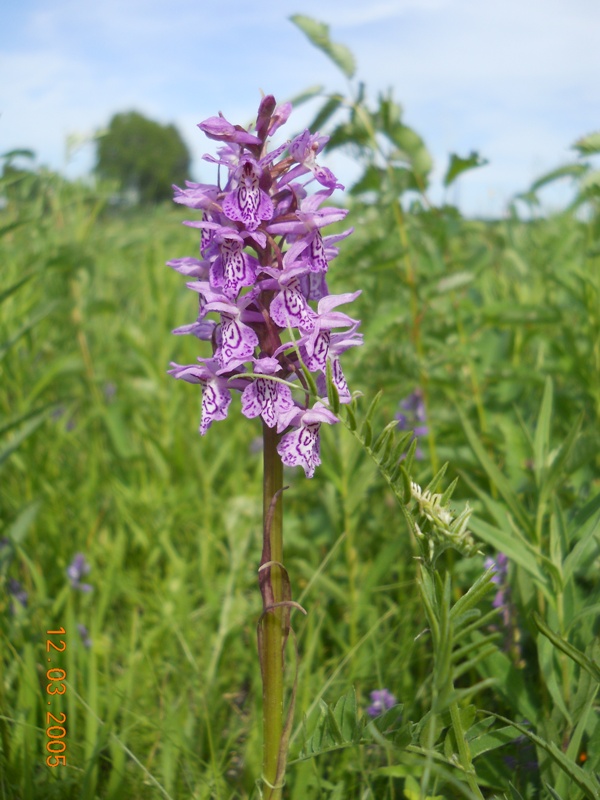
(263, 261)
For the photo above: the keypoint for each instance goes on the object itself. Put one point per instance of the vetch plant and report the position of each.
(276, 336)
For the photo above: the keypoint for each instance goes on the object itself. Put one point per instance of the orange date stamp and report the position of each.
(55, 730)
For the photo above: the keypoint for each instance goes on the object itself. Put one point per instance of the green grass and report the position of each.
(498, 322)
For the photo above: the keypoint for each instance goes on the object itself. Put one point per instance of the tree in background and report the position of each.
(143, 156)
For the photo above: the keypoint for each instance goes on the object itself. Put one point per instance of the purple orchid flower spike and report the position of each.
(262, 267)
(264, 302)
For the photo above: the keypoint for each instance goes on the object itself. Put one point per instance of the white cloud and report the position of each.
(516, 80)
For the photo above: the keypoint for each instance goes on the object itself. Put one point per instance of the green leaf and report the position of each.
(541, 442)
(582, 554)
(515, 795)
(562, 644)
(18, 529)
(492, 741)
(25, 328)
(337, 727)
(459, 165)
(509, 543)
(496, 477)
(370, 180)
(591, 182)
(414, 147)
(553, 792)
(326, 112)
(588, 145)
(509, 683)
(306, 95)
(318, 34)
(566, 171)
(332, 392)
(26, 431)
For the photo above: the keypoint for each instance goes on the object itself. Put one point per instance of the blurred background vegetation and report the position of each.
(495, 324)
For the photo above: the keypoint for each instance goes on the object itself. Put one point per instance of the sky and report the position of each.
(518, 81)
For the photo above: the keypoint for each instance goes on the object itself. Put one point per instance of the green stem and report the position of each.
(464, 753)
(273, 620)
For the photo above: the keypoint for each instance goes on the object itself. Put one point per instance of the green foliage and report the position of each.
(143, 156)
(318, 34)
(459, 165)
(498, 324)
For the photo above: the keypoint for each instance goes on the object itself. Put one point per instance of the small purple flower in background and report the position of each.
(381, 701)
(502, 601)
(110, 391)
(85, 635)
(16, 590)
(411, 417)
(266, 332)
(500, 565)
(76, 570)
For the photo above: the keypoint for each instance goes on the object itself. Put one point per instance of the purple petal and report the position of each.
(248, 203)
(300, 448)
(215, 402)
(233, 268)
(191, 267)
(238, 342)
(280, 117)
(218, 128)
(267, 398)
(289, 307)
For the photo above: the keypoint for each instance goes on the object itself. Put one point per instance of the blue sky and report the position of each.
(519, 81)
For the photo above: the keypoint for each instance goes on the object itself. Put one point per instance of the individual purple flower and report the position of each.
(301, 446)
(304, 149)
(238, 339)
(316, 343)
(78, 569)
(309, 220)
(289, 307)
(338, 344)
(216, 391)
(381, 701)
(248, 203)
(265, 397)
(232, 268)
